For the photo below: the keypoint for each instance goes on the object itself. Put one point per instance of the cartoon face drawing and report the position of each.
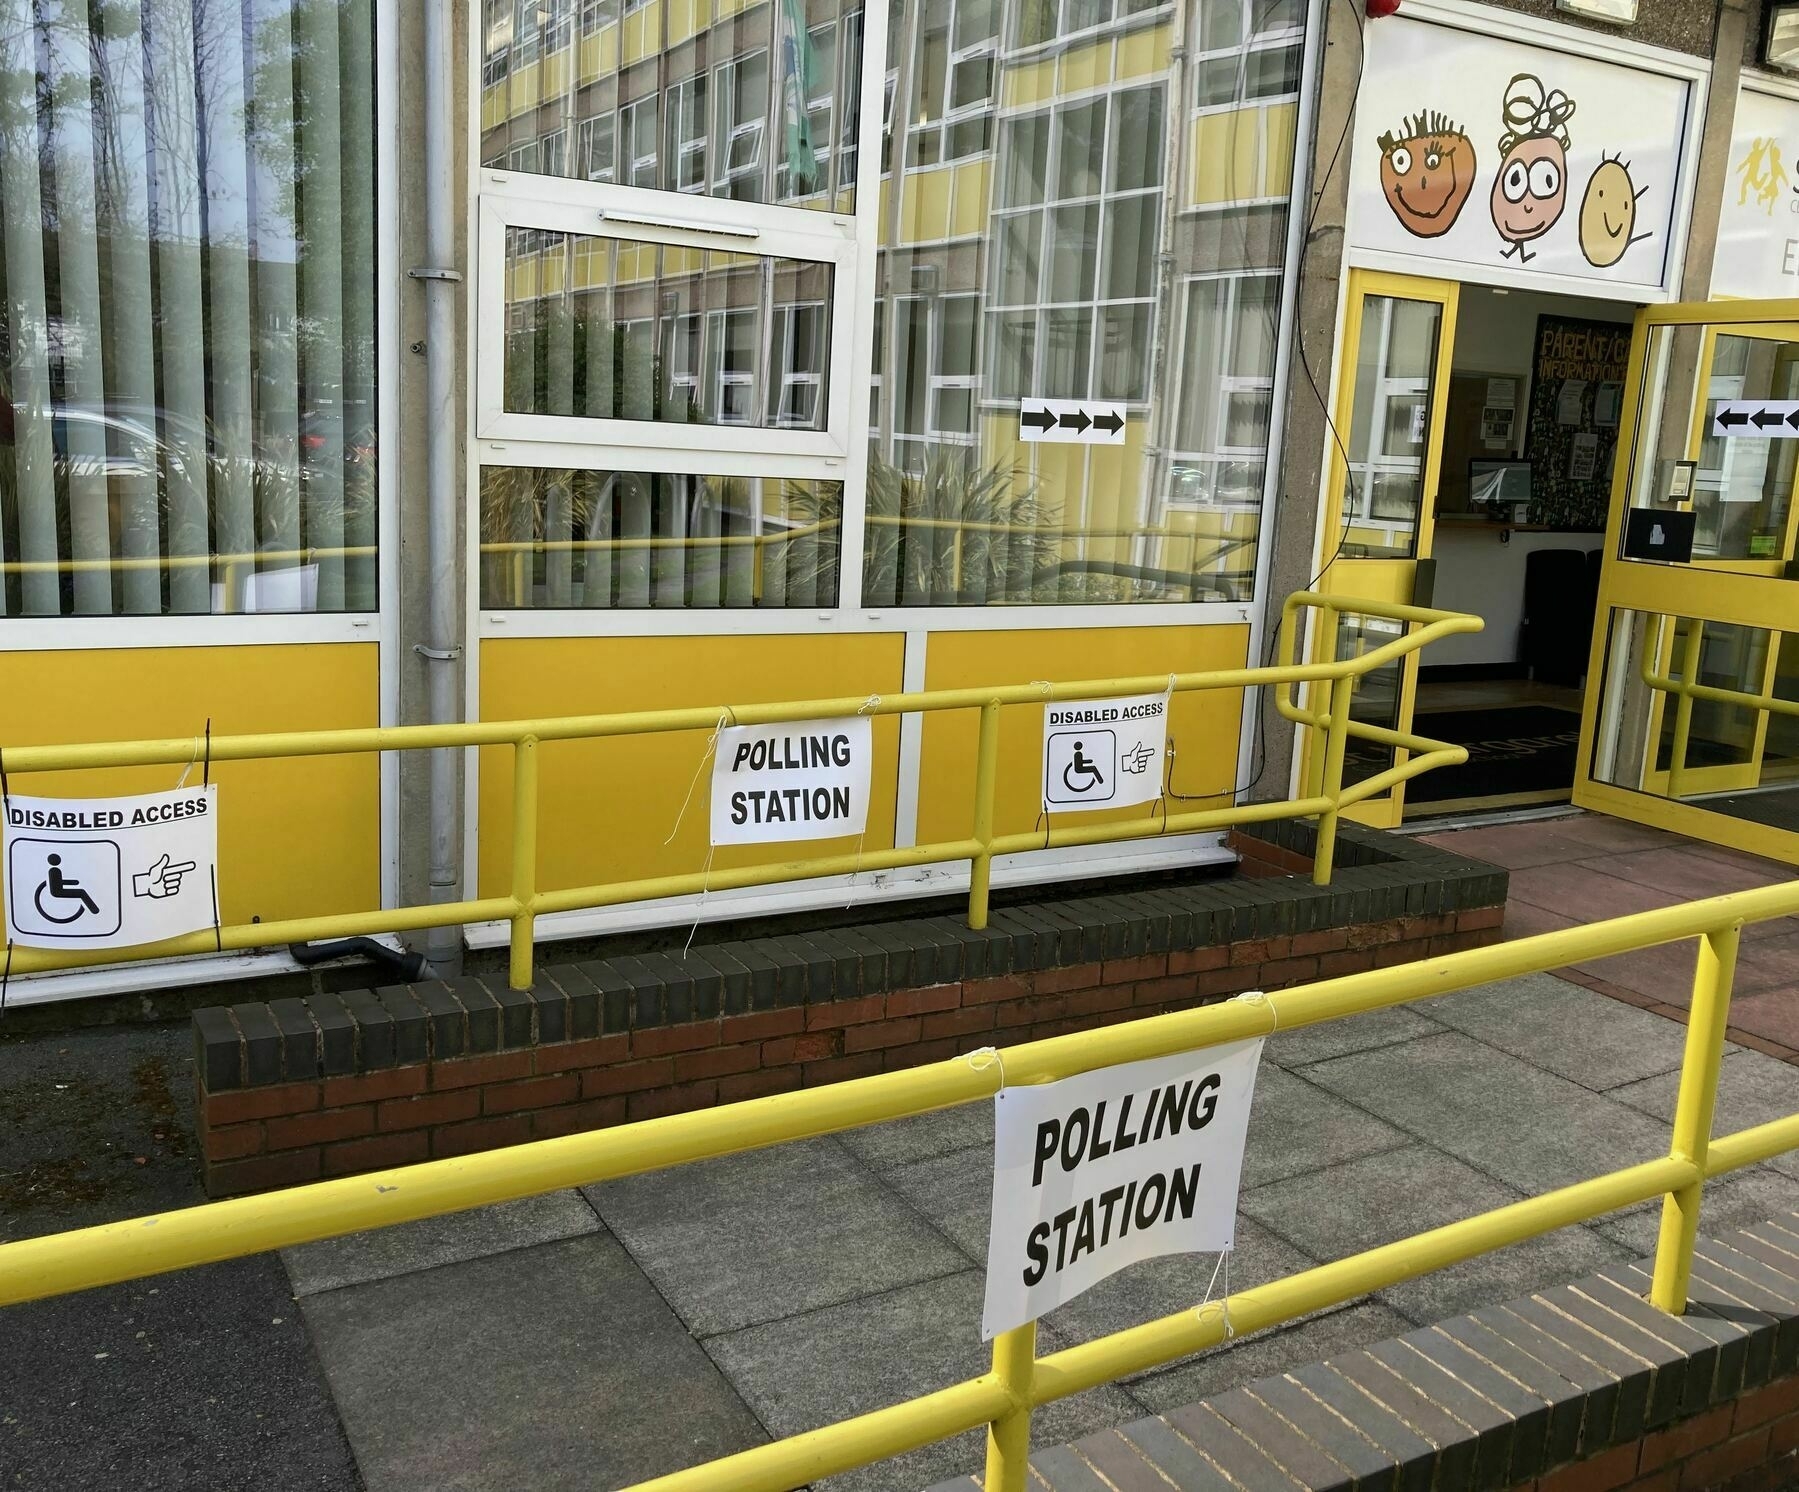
(1427, 173)
(1532, 188)
(1608, 214)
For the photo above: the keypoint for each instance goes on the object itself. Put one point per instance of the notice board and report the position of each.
(1577, 388)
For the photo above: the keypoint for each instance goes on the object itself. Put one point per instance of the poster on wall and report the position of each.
(1758, 220)
(1577, 368)
(1495, 158)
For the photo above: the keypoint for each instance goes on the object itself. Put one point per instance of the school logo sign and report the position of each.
(1758, 218)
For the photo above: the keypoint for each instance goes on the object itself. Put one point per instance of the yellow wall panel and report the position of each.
(1085, 67)
(925, 206)
(1280, 124)
(1227, 151)
(1031, 84)
(643, 32)
(1144, 53)
(611, 810)
(971, 196)
(297, 838)
(1203, 727)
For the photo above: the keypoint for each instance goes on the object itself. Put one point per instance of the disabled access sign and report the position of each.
(1104, 753)
(110, 872)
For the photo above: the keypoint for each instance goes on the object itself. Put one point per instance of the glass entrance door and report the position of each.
(1693, 724)
(1398, 335)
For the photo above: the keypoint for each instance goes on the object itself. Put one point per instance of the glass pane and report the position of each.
(731, 123)
(187, 309)
(1272, 74)
(1395, 375)
(629, 540)
(1703, 712)
(1743, 494)
(956, 354)
(585, 316)
(1064, 257)
(1377, 695)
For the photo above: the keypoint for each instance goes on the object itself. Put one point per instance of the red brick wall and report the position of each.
(1748, 1445)
(257, 1138)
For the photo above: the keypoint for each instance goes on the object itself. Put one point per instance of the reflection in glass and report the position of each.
(630, 540)
(1377, 694)
(1704, 713)
(187, 308)
(611, 328)
(758, 103)
(1094, 273)
(1743, 492)
(1389, 427)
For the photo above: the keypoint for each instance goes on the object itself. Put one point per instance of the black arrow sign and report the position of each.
(1733, 417)
(1112, 423)
(1793, 419)
(1038, 419)
(1766, 417)
(1076, 422)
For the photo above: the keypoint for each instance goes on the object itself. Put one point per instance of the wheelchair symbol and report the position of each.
(67, 888)
(1076, 765)
(63, 888)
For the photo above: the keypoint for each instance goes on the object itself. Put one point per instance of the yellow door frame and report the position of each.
(1745, 593)
(1382, 579)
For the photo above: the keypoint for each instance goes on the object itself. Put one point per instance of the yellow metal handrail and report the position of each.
(526, 901)
(1687, 688)
(1003, 1398)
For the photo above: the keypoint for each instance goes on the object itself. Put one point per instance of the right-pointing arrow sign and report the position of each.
(1071, 422)
(1037, 419)
(1756, 419)
(1111, 422)
(1076, 422)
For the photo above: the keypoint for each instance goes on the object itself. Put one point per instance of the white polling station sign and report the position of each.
(1099, 1171)
(804, 780)
(1104, 753)
(110, 872)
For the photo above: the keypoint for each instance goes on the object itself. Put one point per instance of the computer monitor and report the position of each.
(1498, 482)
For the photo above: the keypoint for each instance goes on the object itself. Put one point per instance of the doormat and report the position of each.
(1527, 749)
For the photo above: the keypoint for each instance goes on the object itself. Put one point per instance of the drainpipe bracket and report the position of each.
(437, 655)
(426, 272)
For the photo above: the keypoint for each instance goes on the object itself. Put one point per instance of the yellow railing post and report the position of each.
(1009, 1436)
(1693, 1113)
(524, 860)
(1336, 745)
(1683, 708)
(986, 780)
(1319, 697)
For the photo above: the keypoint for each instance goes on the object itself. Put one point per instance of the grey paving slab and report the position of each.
(1379, 1198)
(821, 1367)
(1564, 1028)
(905, 1141)
(1355, 1033)
(551, 1367)
(1295, 1126)
(198, 1379)
(435, 1241)
(1269, 1352)
(756, 1237)
(1530, 1128)
(1752, 1089)
(955, 1192)
(1737, 1201)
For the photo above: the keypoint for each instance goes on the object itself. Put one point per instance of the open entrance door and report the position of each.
(1691, 719)
(1398, 336)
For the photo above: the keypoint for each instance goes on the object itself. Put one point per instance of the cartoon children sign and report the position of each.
(1429, 165)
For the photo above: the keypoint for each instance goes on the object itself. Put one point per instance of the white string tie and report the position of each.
(988, 1057)
(1259, 997)
(705, 756)
(869, 705)
(188, 770)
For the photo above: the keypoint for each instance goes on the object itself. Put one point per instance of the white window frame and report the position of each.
(1227, 385)
(642, 216)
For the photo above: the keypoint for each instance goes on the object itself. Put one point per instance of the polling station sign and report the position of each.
(1099, 1171)
(110, 872)
(1104, 753)
(805, 780)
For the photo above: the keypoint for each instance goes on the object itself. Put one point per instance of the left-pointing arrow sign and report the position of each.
(1756, 419)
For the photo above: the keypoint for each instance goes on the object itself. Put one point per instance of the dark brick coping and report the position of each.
(1583, 1387)
(1380, 878)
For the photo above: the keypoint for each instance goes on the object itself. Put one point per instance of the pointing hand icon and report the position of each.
(161, 879)
(1137, 759)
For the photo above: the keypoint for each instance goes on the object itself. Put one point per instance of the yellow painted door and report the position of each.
(1398, 335)
(1691, 720)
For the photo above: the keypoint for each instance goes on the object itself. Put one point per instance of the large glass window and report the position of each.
(617, 328)
(629, 540)
(759, 105)
(187, 307)
(1121, 246)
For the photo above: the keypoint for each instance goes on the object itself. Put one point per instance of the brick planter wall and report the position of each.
(1583, 1387)
(299, 1089)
